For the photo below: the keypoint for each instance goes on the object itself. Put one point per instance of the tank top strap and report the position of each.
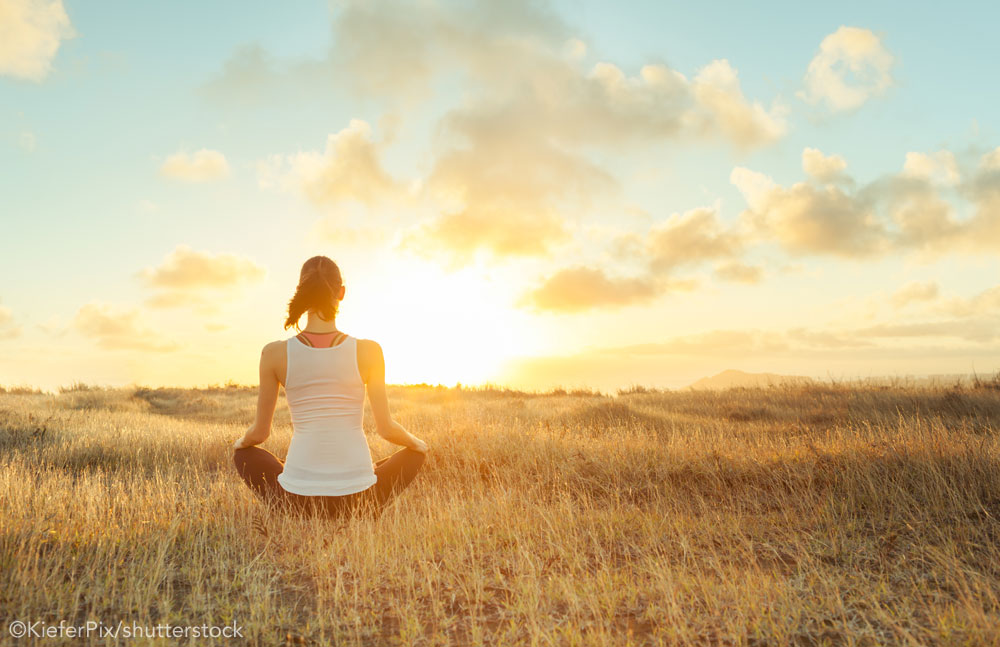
(322, 340)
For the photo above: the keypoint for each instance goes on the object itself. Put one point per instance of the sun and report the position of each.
(436, 326)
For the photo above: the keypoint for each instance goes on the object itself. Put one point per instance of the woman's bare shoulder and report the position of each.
(369, 354)
(369, 346)
(273, 349)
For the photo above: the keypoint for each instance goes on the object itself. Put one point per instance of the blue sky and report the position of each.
(88, 203)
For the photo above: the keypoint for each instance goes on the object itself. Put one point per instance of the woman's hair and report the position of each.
(319, 282)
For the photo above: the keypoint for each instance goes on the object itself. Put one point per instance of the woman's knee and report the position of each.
(242, 456)
(414, 457)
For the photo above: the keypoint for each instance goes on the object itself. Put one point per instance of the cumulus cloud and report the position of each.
(30, 34)
(822, 167)
(738, 272)
(852, 66)
(188, 268)
(186, 271)
(983, 188)
(119, 328)
(683, 240)
(747, 124)
(517, 157)
(349, 169)
(201, 166)
(939, 167)
(915, 291)
(8, 329)
(689, 238)
(510, 188)
(575, 48)
(826, 214)
(928, 298)
(922, 219)
(524, 53)
(983, 304)
(808, 219)
(901, 212)
(579, 288)
(431, 38)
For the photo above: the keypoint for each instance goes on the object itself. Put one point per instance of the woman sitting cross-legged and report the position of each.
(325, 372)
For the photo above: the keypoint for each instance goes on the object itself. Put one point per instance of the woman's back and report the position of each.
(328, 454)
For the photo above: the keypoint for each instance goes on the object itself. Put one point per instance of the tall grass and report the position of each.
(843, 514)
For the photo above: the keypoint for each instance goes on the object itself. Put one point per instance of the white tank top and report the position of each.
(328, 454)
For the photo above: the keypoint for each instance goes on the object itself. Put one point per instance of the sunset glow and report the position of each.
(526, 193)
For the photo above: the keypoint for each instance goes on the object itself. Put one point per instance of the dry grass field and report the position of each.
(842, 514)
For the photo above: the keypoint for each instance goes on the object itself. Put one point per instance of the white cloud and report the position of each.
(717, 90)
(737, 272)
(809, 219)
(575, 48)
(186, 268)
(984, 190)
(30, 34)
(923, 219)
(202, 166)
(755, 186)
(690, 238)
(991, 160)
(939, 167)
(983, 304)
(186, 272)
(519, 162)
(906, 211)
(349, 169)
(851, 67)
(683, 240)
(581, 288)
(915, 291)
(820, 166)
(116, 327)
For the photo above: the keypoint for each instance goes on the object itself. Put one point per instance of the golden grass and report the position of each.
(826, 515)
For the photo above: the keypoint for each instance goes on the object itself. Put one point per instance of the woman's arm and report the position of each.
(267, 399)
(372, 368)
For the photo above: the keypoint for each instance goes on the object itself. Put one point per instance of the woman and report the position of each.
(325, 373)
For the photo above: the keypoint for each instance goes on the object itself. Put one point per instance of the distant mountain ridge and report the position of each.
(734, 378)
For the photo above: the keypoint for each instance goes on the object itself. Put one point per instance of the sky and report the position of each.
(533, 194)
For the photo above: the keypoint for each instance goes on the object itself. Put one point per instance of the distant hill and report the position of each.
(733, 378)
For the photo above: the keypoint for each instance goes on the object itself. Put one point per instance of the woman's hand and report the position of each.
(418, 445)
(242, 442)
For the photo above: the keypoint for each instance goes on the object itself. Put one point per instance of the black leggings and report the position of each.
(259, 469)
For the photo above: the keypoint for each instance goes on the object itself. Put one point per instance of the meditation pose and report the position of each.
(325, 372)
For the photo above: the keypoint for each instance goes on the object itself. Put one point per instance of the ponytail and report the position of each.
(319, 282)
